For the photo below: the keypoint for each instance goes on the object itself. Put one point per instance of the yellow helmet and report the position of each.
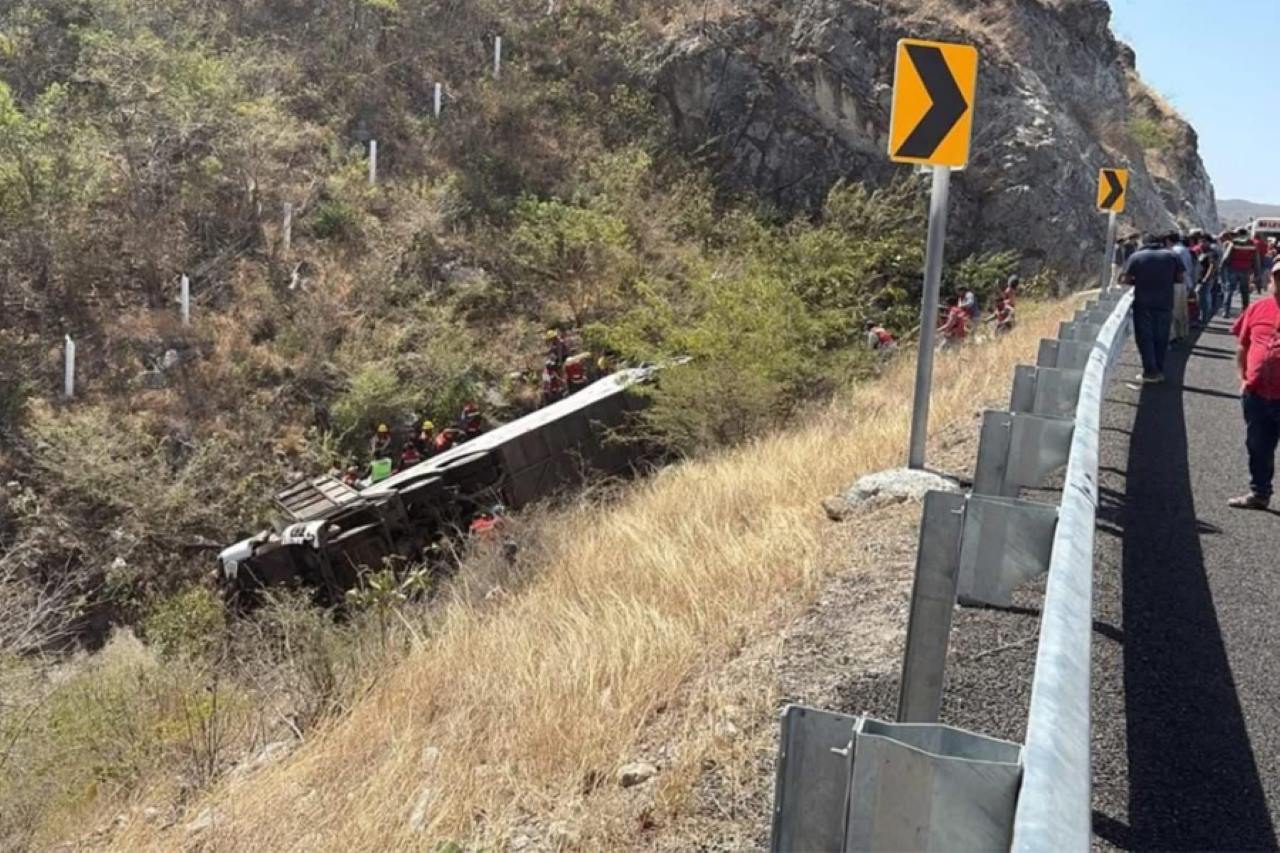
(383, 429)
(428, 426)
(552, 334)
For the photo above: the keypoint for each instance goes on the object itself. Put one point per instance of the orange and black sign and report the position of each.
(1113, 188)
(934, 85)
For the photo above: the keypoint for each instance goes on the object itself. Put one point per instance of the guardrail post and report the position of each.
(1017, 451)
(933, 600)
(1045, 391)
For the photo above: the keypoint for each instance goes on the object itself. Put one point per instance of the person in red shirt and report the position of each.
(1258, 330)
(956, 326)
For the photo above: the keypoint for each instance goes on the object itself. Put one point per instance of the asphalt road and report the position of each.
(1186, 689)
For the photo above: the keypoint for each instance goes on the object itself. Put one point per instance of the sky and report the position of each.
(1214, 62)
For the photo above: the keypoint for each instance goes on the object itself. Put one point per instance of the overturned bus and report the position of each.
(329, 533)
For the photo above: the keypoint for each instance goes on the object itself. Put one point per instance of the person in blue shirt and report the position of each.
(1152, 271)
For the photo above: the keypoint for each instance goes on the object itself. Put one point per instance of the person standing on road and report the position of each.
(1181, 325)
(1258, 358)
(1240, 259)
(1152, 271)
(1206, 293)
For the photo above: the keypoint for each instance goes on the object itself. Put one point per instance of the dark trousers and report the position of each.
(1151, 332)
(1262, 434)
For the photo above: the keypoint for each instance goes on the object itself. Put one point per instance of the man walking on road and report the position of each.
(1181, 318)
(1258, 358)
(1153, 271)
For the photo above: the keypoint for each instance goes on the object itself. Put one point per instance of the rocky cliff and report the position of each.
(787, 97)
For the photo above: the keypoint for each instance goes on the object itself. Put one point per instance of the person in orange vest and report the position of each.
(448, 438)
(878, 338)
(489, 521)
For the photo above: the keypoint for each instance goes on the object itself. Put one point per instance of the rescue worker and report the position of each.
(351, 476)
(878, 338)
(409, 455)
(1003, 316)
(969, 304)
(471, 422)
(488, 521)
(551, 385)
(447, 439)
(575, 373)
(380, 444)
(956, 324)
(1010, 293)
(603, 368)
(557, 347)
(426, 440)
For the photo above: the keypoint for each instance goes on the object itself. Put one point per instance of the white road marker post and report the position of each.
(69, 370)
(286, 228)
(497, 57)
(373, 162)
(185, 298)
(437, 100)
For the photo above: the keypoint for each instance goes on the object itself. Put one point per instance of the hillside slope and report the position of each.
(789, 97)
(507, 726)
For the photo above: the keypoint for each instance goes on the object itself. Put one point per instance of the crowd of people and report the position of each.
(564, 372)
(1180, 283)
(960, 318)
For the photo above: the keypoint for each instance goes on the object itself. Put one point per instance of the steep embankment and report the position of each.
(790, 97)
(507, 726)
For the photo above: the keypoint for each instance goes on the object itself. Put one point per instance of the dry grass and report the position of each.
(512, 715)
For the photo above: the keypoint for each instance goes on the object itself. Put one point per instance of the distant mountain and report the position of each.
(1236, 211)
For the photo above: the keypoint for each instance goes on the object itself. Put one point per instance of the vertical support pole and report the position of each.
(184, 298)
(286, 229)
(69, 370)
(437, 101)
(1109, 252)
(929, 313)
(497, 57)
(373, 162)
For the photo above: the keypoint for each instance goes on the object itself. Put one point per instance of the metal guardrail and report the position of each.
(849, 783)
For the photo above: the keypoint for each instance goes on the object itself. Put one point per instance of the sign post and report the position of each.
(497, 57)
(1113, 189)
(931, 125)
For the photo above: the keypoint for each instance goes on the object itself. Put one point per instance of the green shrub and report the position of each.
(187, 625)
(1150, 134)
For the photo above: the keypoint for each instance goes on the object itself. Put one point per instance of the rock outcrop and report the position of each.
(790, 96)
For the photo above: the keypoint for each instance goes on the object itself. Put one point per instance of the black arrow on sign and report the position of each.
(948, 107)
(1117, 189)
